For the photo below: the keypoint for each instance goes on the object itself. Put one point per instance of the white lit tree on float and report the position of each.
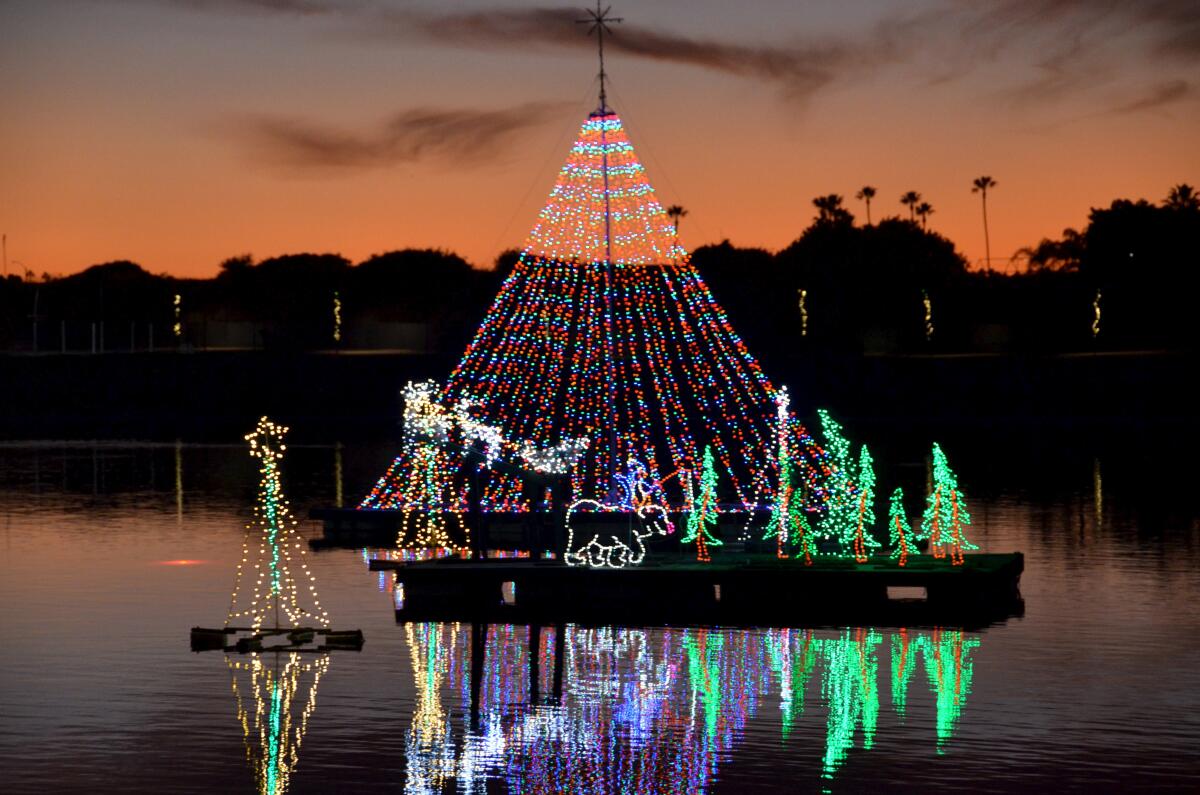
(428, 505)
(946, 517)
(780, 506)
(272, 551)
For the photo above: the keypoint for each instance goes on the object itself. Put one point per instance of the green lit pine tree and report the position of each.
(789, 520)
(703, 513)
(841, 514)
(801, 531)
(946, 517)
(900, 535)
(858, 536)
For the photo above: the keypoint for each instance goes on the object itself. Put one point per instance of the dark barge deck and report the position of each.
(750, 590)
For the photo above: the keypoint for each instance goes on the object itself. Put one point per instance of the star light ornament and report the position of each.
(272, 549)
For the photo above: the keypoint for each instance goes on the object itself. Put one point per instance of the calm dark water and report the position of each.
(110, 552)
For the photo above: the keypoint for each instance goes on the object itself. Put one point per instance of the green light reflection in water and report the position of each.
(658, 710)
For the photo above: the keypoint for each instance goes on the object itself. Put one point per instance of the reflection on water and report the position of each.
(280, 694)
(1056, 700)
(630, 710)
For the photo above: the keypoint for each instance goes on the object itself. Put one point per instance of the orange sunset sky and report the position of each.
(177, 133)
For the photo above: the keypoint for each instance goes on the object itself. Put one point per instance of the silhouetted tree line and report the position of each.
(290, 300)
(892, 285)
(896, 286)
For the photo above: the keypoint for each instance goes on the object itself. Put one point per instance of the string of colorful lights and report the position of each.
(605, 331)
(603, 347)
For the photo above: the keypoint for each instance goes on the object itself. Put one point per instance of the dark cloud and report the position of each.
(1049, 49)
(1072, 46)
(295, 7)
(460, 136)
(801, 69)
(1072, 50)
(1158, 96)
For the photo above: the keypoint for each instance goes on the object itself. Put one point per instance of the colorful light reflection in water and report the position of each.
(276, 694)
(587, 710)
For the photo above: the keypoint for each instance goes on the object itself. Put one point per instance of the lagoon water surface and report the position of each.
(110, 552)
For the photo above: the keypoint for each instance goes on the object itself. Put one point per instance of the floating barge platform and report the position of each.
(752, 589)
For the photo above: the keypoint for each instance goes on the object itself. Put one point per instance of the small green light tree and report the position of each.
(858, 536)
(900, 535)
(788, 519)
(801, 531)
(703, 513)
(946, 517)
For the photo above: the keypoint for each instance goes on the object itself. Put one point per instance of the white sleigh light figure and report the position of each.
(605, 549)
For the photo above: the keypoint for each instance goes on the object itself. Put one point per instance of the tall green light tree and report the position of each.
(860, 538)
(946, 517)
(703, 512)
(841, 514)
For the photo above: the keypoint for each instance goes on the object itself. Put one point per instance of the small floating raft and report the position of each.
(291, 639)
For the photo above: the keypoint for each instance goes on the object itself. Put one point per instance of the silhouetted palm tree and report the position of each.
(981, 186)
(830, 209)
(911, 198)
(675, 212)
(924, 210)
(1183, 197)
(866, 194)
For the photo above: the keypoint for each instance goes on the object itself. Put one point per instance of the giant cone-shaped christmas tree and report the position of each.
(604, 330)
